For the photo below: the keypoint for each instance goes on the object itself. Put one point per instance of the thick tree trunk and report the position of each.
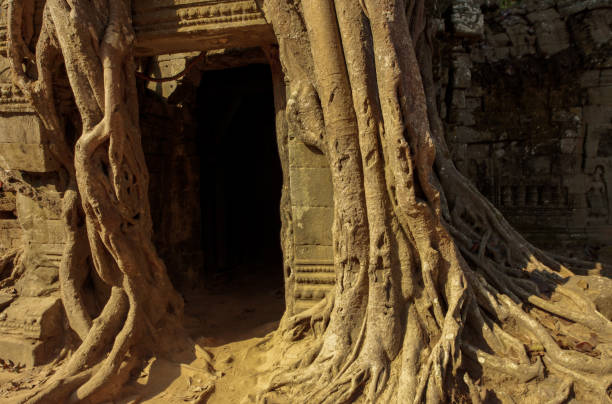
(434, 289)
(433, 286)
(108, 186)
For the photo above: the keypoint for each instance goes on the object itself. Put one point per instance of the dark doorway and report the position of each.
(240, 189)
(240, 174)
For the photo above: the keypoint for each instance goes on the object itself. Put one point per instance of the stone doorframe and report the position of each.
(176, 26)
(173, 26)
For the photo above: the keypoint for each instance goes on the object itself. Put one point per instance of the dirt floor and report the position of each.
(235, 306)
(228, 320)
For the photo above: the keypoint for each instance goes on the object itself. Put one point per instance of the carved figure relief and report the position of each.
(597, 194)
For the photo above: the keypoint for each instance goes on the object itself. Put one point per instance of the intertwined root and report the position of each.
(497, 333)
(515, 317)
(462, 288)
(314, 319)
(105, 204)
(11, 266)
(433, 286)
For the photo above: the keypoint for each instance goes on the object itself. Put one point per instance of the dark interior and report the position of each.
(216, 183)
(240, 174)
(240, 189)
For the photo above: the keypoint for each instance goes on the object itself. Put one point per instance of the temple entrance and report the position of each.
(240, 175)
(240, 189)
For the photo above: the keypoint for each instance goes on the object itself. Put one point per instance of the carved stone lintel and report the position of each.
(12, 100)
(170, 26)
(167, 26)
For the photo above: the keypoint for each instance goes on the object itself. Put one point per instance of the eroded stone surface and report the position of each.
(30, 330)
(10, 231)
(532, 129)
(528, 116)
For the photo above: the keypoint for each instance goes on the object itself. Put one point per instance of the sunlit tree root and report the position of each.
(433, 286)
(315, 319)
(432, 282)
(105, 206)
(594, 373)
(363, 376)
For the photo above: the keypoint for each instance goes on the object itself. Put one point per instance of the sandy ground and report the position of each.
(228, 320)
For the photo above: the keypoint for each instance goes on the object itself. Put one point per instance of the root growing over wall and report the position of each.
(435, 290)
(105, 205)
(436, 296)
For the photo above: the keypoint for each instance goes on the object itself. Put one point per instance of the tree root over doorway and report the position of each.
(437, 298)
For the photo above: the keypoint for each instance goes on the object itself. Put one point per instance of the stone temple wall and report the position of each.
(169, 132)
(10, 231)
(312, 205)
(169, 143)
(525, 94)
(526, 97)
(31, 314)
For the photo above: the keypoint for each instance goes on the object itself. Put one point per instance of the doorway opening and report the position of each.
(240, 190)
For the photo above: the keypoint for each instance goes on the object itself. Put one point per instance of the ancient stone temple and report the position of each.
(524, 90)
(197, 230)
(529, 119)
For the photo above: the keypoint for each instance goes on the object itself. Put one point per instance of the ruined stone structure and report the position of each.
(528, 120)
(525, 114)
(525, 95)
(527, 100)
(30, 214)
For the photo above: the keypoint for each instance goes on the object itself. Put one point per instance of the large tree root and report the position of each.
(466, 292)
(436, 295)
(105, 205)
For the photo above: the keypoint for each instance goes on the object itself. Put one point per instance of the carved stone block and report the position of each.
(311, 187)
(314, 252)
(313, 225)
(32, 317)
(552, 36)
(467, 19)
(171, 26)
(23, 143)
(313, 282)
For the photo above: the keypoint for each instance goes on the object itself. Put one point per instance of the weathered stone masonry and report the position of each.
(526, 95)
(527, 98)
(29, 206)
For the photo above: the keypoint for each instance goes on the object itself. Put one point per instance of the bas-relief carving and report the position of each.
(12, 100)
(30, 329)
(169, 26)
(161, 15)
(181, 25)
(313, 282)
(35, 318)
(598, 196)
(535, 154)
(312, 205)
(499, 181)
